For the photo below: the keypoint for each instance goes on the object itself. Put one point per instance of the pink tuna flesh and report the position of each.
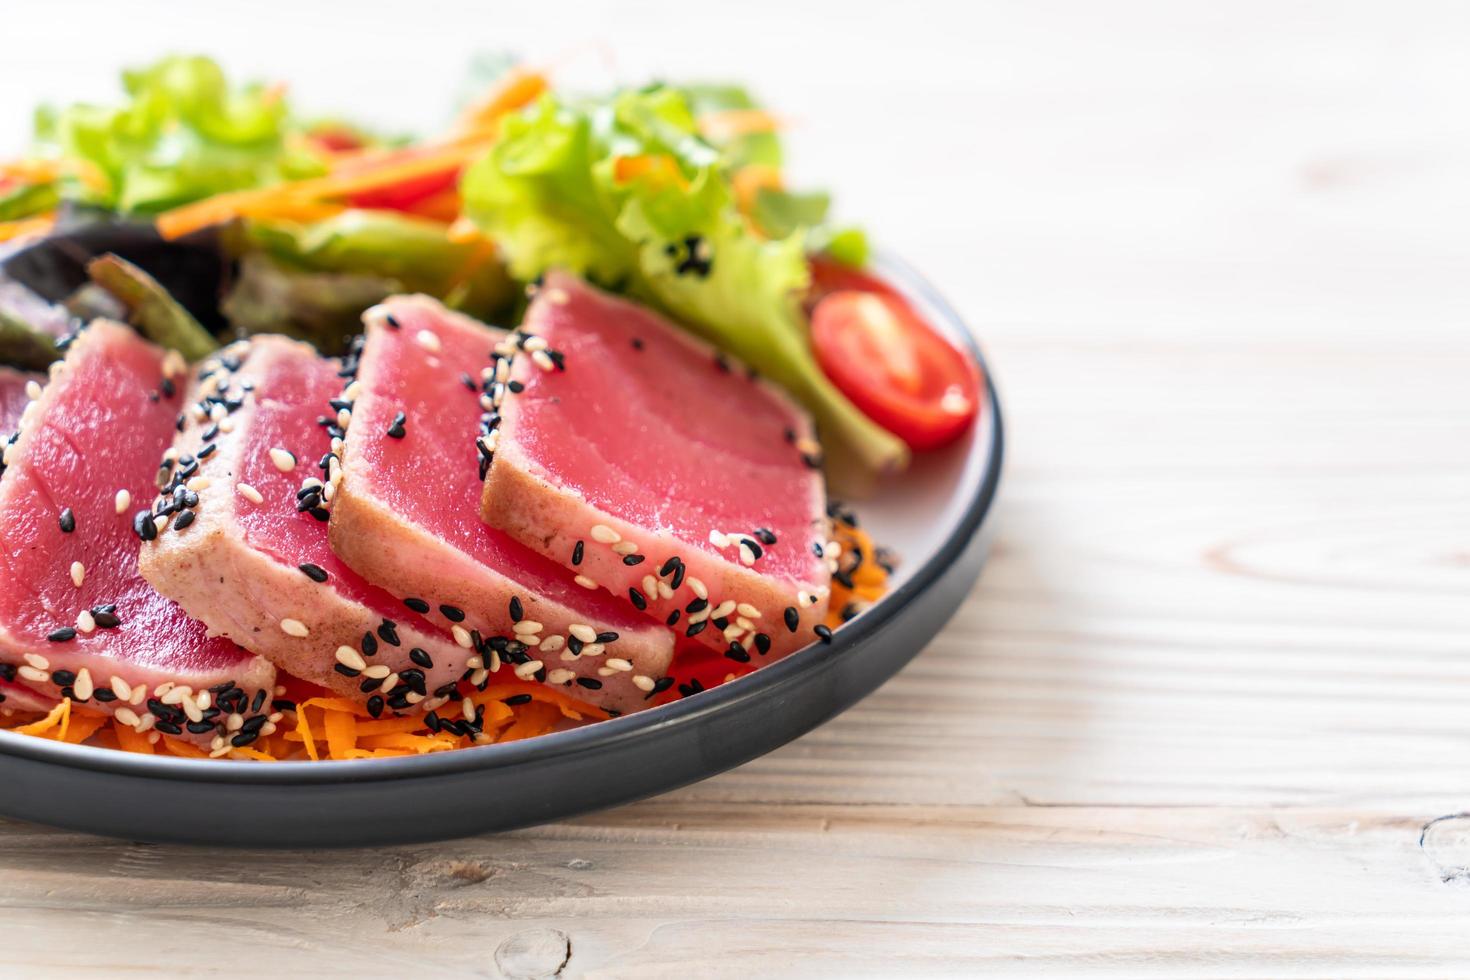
(407, 515)
(13, 398)
(87, 460)
(252, 559)
(661, 459)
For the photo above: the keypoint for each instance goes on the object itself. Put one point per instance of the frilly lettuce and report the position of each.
(183, 134)
(555, 192)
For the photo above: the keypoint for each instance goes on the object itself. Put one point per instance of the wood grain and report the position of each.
(1205, 714)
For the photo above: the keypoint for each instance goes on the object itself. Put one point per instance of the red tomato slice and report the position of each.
(895, 367)
(830, 276)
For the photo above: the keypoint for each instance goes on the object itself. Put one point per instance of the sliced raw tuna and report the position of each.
(245, 544)
(76, 618)
(406, 515)
(650, 465)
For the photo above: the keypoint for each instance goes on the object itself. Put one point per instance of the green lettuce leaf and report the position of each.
(413, 252)
(323, 307)
(549, 195)
(184, 133)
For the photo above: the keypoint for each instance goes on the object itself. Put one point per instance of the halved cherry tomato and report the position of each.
(829, 276)
(895, 367)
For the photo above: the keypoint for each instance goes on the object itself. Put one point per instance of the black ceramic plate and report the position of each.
(934, 517)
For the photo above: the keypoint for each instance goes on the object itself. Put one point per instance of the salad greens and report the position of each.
(183, 134)
(628, 192)
(156, 314)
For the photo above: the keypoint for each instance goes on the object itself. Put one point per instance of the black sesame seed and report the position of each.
(636, 597)
(516, 699)
(321, 514)
(392, 321)
(762, 644)
(669, 566)
(199, 727)
(696, 628)
(755, 548)
(662, 684)
(143, 526)
(396, 430)
(388, 633)
(678, 579)
(258, 700)
(184, 519)
(574, 645)
(793, 618)
(239, 741)
(432, 721)
(63, 678)
(169, 728)
(345, 670)
(577, 553)
(167, 387)
(207, 451)
(673, 618)
(67, 521)
(515, 387)
(369, 645)
(105, 619)
(375, 705)
(766, 535)
(637, 343)
(632, 559)
(371, 684)
(62, 635)
(452, 613)
(607, 636)
(843, 579)
(737, 653)
(591, 683)
(105, 695)
(516, 611)
(823, 631)
(720, 622)
(696, 605)
(468, 381)
(314, 572)
(421, 657)
(417, 605)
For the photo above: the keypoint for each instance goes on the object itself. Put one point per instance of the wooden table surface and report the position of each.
(1208, 712)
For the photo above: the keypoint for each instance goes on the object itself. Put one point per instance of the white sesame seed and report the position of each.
(744, 623)
(249, 493)
(352, 391)
(428, 340)
(553, 643)
(34, 674)
(568, 656)
(389, 683)
(665, 591)
(120, 687)
(593, 650)
(561, 676)
(529, 639)
(733, 631)
(344, 419)
(543, 361)
(618, 663)
(527, 670)
(469, 709)
(160, 521)
(121, 501)
(747, 557)
(175, 694)
(643, 683)
(533, 343)
(294, 627)
(502, 371)
(624, 548)
(605, 672)
(585, 582)
(227, 425)
(269, 728)
(127, 716)
(462, 636)
(234, 721)
(719, 539)
(749, 611)
(82, 687)
(285, 462)
(78, 573)
(482, 675)
(697, 587)
(146, 721)
(583, 632)
(475, 662)
(350, 658)
(198, 484)
(699, 617)
(191, 710)
(557, 296)
(137, 694)
(526, 627)
(33, 389)
(377, 671)
(203, 699)
(275, 716)
(723, 609)
(650, 585)
(37, 661)
(174, 363)
(603, 534)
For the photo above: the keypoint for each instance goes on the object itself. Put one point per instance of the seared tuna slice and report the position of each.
(406, 515)
(245, 547)
(654, 468)
(76, 618)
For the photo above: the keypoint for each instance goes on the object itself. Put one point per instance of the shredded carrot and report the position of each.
(869, 578)
(515, 89)
(725, 124)
(656, 168)
(183, 749)
(748, 182)
(83, 725)
(35, 225)
(131, 741)
(55, 719)
(341, 729)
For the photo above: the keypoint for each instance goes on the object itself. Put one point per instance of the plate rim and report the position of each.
(813, 659)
